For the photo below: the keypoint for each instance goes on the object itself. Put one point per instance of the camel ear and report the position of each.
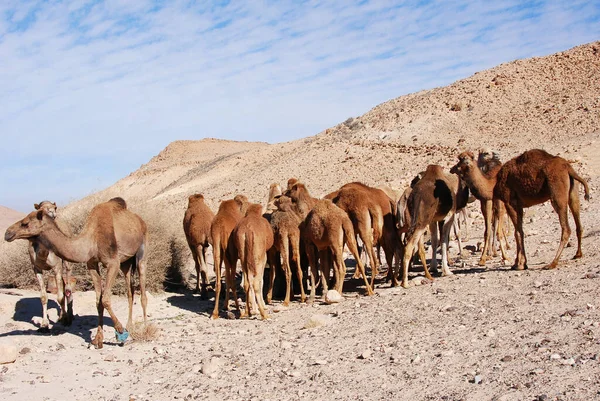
(36, 206)
(54, 203)
(39, 215)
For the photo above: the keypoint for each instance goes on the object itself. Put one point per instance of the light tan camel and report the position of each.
(253, 236)
(482, 187)
(112, 235)
(533, 178)
(274, 192)
(196, 225)
(434, 198)
(326, 228)
(43, 259)
(229, 214)
(285, 222)
(372, 216)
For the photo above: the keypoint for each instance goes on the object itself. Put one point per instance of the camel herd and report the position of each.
(301, 233)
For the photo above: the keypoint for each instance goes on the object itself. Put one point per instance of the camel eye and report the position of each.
(24, 224)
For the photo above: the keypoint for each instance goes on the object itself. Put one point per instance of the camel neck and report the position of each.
(77, 249)
(481, 186)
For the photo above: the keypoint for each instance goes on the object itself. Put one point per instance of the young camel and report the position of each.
(285, 222)
(434, 198)
(112, 235)
(533, 178)
(326, 228)
(253, 236)
(274, 192)
(372, 215)
(43, 259)
(482, 186)
(229, 214)
(196, 225)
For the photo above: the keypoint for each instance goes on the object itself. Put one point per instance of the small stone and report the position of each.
(416, 359)
(109, 358)
(279, 308)
(60, 347)
(286, 344)
(537, 284)
(366, 354)
(491, 333)
(570, 361)
(297, 363)
(24, 351)
(317, 321)
(538, 371)
(210, 366)
(333, 297)
(507, 358)
(554, 356)
(477, 379)
(448, 308)
(230, 315)
(320, 362)
(159, 351)
(542, 397)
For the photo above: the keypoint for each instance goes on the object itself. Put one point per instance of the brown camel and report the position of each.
(285, 222)
(196, 225)
(533, 178)
(229, 214)
(274, 192)
(372, 214)
(482, 187)
(434, 198)
(253, 237)
(43, 259)
(326, 228)
(112, 235)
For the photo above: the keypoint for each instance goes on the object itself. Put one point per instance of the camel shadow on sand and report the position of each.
(28, 308)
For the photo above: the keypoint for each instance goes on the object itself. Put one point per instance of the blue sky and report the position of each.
(89, 91)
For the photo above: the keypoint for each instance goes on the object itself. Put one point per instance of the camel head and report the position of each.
(274, 190)
(48, 207)
(195, 198)
(297, 191)
(242, 202)
(486, 155)
(283, 203)
(466, 161)
(254, 209)
(291, 182)
(31, 226)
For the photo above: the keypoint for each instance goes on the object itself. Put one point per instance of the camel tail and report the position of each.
(247, 255)
(350, 238)
(576, 176)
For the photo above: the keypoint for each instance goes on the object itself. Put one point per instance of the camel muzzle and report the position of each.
(9, 236)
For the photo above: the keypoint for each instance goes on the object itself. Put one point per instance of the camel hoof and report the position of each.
(517, 267)
(214, 316)
(578, 255)
(266, 317)
(481, 262)
(550, 266)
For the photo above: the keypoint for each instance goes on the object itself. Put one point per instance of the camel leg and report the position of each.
(217, 255)
(44, 328)
(98, 339)
(486, 209)
(295, 245)
(339, 268)
(141, 269)
(196, 257)
(359, 266)
(60, 293)
(324, 261)
(230, 268)
(423, 257)
(445, 238)
(409, 248)
(499, 213)
(311, 253)
(68, 292)
(365, 230)
(247, 291)
(285, 255)
(517, 219)
(112, 270)
(271, 254)
(204, 273)
(258, 287)
(560, 205)
(456, 228)
(433, 230)
(574, 206)
(126, 269)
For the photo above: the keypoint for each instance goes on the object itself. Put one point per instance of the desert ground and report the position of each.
(483, 333)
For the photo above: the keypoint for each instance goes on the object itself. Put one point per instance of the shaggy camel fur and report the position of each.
(533, 178)
(42, 258)
(372, 216)
(229, 214)
(326, 228)
(274, 192)
(112, 235)
(196, 225)
(253, 236)
(482, 187)
(285, 222)
(434, 198)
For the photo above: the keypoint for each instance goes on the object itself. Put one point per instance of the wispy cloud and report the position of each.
(107, 81)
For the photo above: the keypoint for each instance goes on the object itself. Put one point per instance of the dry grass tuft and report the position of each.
(144, 332)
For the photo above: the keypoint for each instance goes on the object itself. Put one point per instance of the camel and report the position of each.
(482, 187)
(196, 225)
(531, 179)
(112, 235)
(253, 237)
(43, 259)
(285, 222)
(372, 214)
(434, 198)
(326, 228)
(274, 192)
(229, 214)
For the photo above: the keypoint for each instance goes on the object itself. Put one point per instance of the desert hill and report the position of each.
(8, 217)
(547, 102)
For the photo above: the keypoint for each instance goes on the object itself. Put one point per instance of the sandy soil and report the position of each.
(480, 334)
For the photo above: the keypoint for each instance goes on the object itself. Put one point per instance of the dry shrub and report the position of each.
(144, 332)
(15, 267)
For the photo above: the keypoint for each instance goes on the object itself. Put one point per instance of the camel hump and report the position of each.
(120, 202)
